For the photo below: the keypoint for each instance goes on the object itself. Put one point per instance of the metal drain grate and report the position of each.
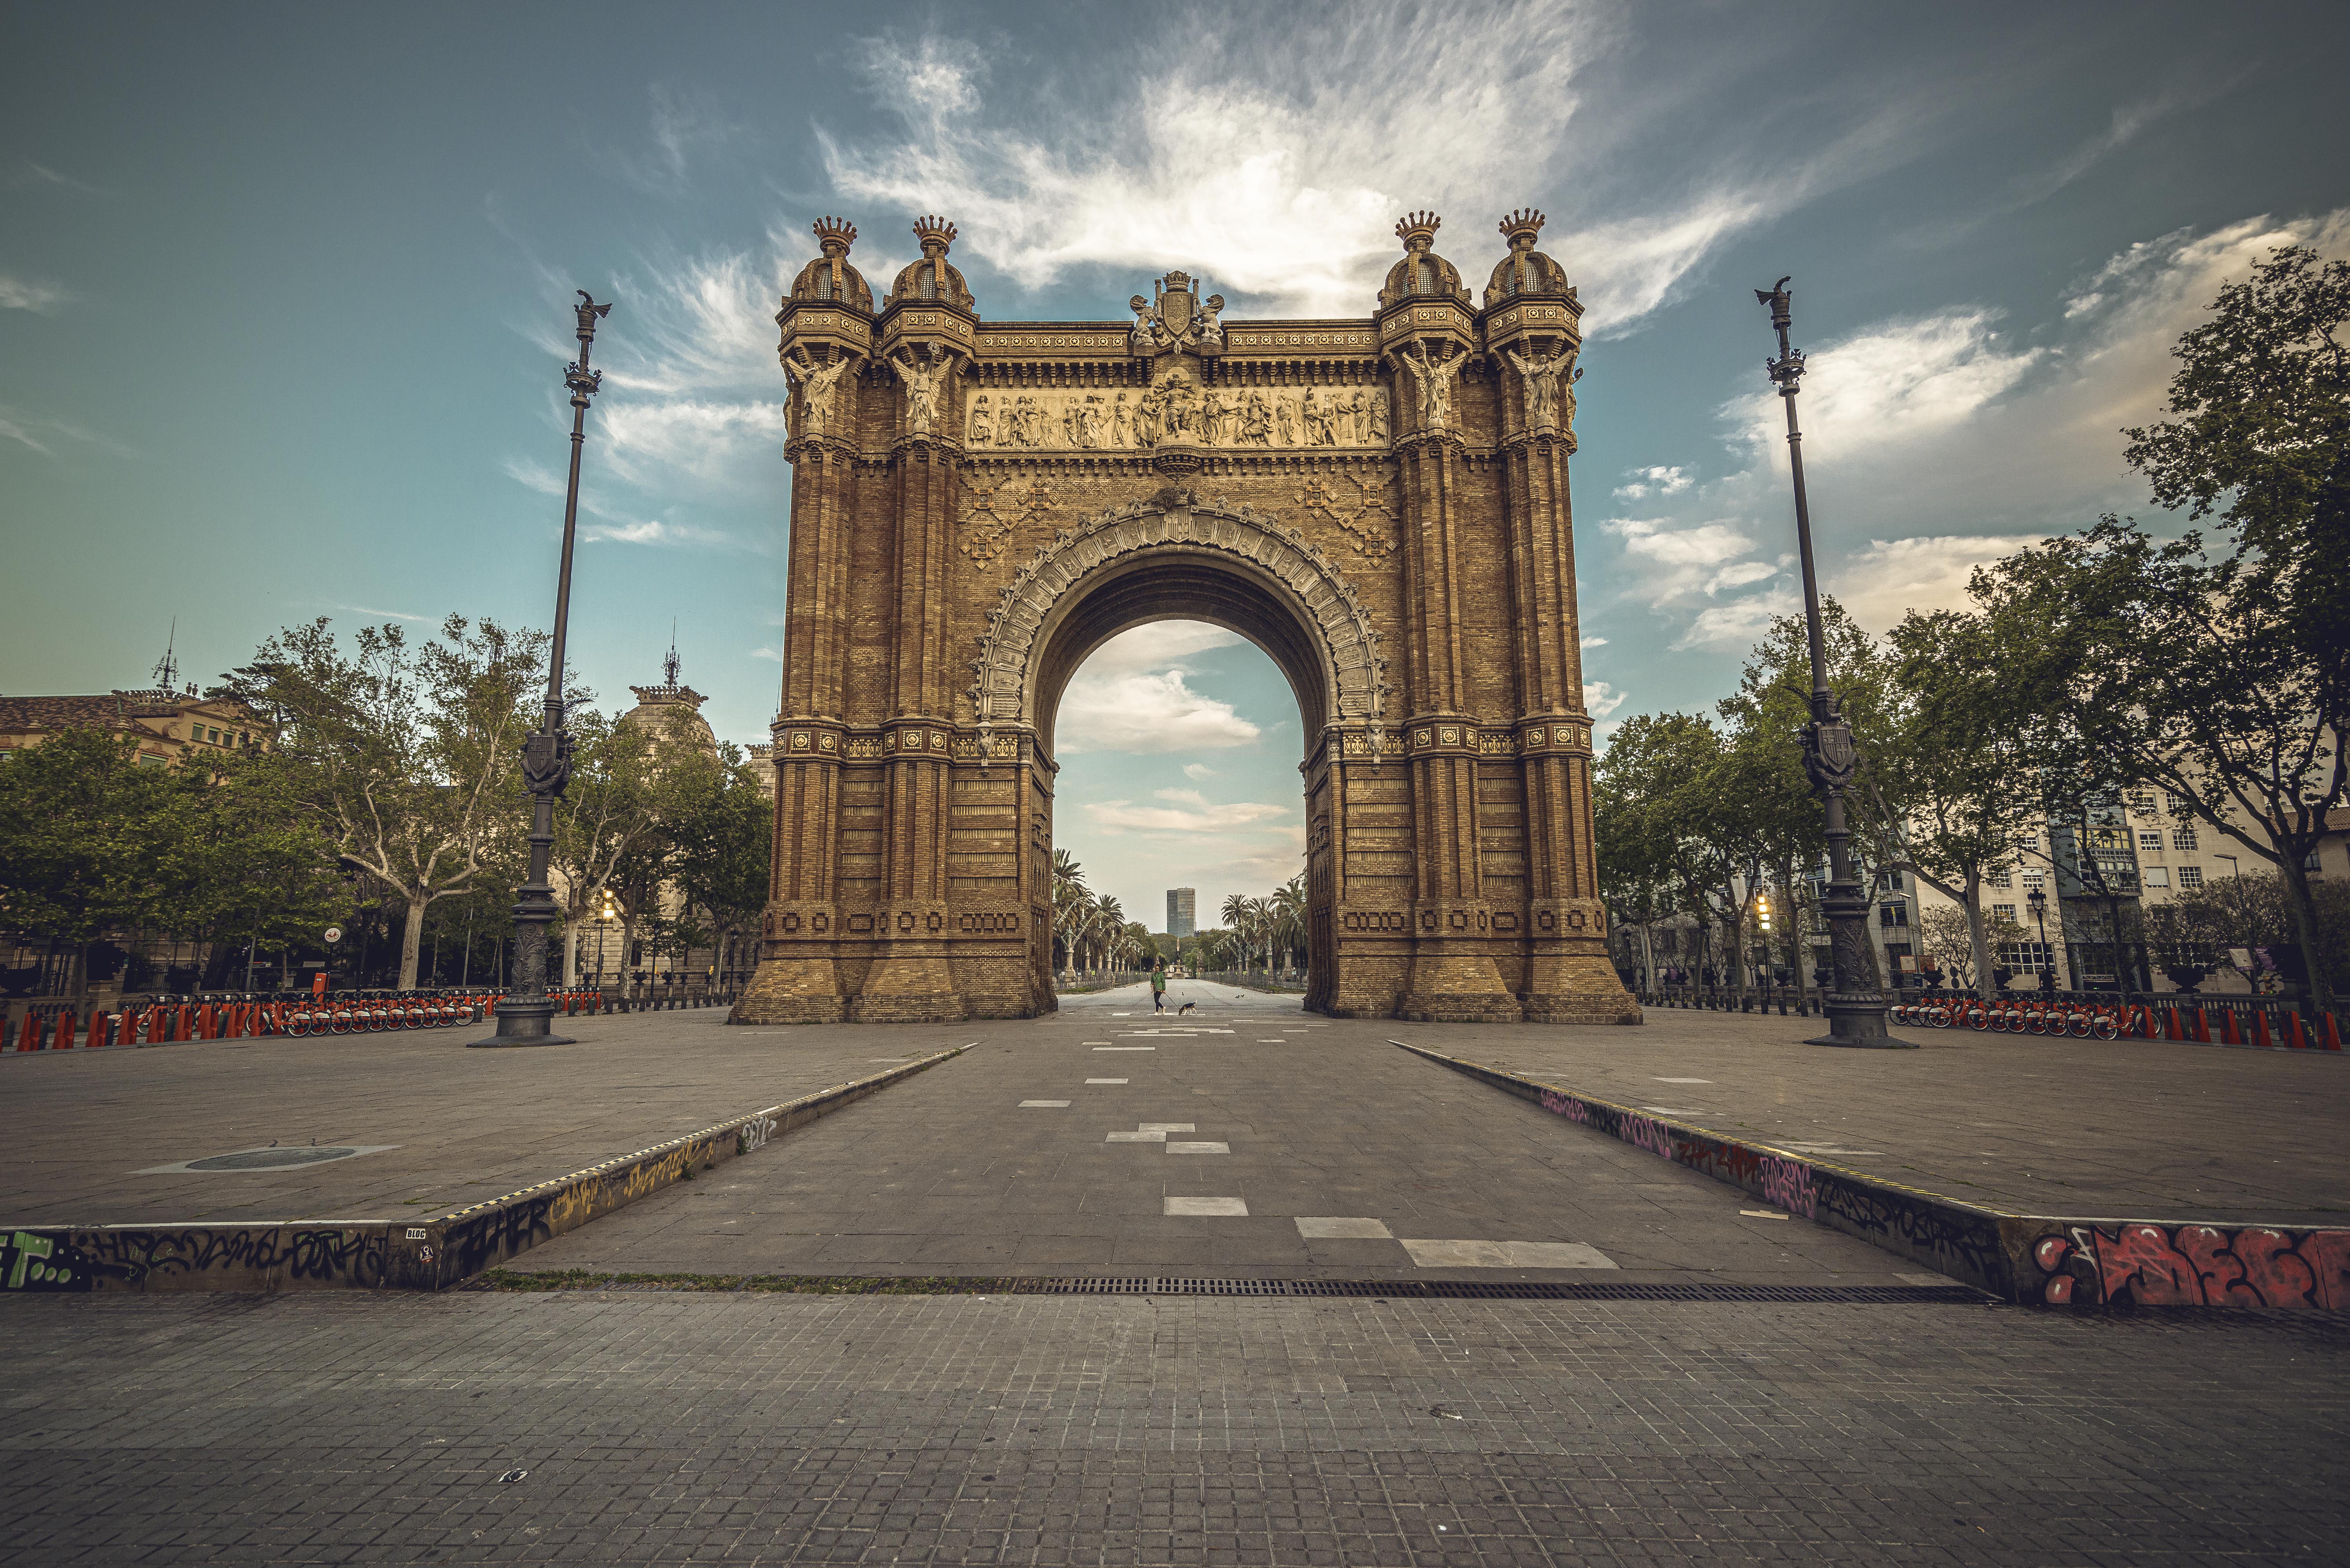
(1187, 1285)
(1488, 1289)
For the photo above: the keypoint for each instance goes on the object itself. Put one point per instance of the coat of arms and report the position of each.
(1177, 319)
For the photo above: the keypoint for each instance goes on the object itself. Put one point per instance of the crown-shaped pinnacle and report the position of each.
(928, 228)
(1417, 223)
(1525, 220)
(839, 229)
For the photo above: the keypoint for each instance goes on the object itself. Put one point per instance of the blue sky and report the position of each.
(281, 302)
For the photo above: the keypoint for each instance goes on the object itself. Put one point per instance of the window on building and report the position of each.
(2150, 842)
(2141, 800)
(2158, 875)
(2033, 877)
(2002, 878)
(2003, 912)
(2182, 838)
(2025, 958)
(2027, 841)
(148, 759)
(2190, 876)
(2309, 862)
(1893, 912)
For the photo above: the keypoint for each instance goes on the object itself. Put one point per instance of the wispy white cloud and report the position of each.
(1191, 813)
(1198, 771)
(385, 613)
(1647, 482)
(1298, 209)
(1133, 694)
(27, 173)
(45, 435)
(31, 293)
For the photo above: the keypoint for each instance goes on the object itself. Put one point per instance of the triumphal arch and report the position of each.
(1380, 503)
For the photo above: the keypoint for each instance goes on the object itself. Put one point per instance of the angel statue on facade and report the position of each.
(816, 382)
(921, 390)
(1542, 378)
(1435, 378)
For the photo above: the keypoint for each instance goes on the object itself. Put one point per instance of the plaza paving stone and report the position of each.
(467, 1125)
(757, 1428)
(976, 1167)
(2025, 1124)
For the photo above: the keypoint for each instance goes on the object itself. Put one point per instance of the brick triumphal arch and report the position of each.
(1380, 504)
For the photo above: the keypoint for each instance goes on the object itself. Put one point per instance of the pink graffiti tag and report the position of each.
(1788, 1184)
(1566, 1106)
(1647, 1132)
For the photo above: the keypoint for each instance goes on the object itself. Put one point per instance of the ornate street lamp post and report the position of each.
(525, 1014)
(1854, 1006)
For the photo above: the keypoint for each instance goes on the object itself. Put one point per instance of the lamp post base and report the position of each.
(522, 1023)
(1859, 1022)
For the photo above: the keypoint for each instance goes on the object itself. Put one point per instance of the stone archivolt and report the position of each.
(1380, 503)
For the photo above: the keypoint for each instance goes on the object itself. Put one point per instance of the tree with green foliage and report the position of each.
(407, 757)
(723, 826)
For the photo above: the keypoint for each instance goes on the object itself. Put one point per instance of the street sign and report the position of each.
(334, 934)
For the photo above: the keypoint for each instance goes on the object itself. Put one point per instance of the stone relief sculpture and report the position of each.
(921, 390)
(1177, 408)
(1211, 331)
(816, 383)
(1144, 338)
(1548, 379)
(1435, 377)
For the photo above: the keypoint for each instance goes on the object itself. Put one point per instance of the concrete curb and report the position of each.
(2027, 1260)
(398, 1254)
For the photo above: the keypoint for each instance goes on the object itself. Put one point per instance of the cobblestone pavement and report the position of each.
(2123, 1130)
(1245, 1139)
(752, 1428)
(84, 1126)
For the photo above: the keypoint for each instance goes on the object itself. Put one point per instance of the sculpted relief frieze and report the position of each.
(1178, 410)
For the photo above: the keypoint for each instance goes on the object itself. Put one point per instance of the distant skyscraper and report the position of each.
(1182, 912)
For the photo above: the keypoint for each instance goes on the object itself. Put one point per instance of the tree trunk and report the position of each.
(570, 953)
(2305, 927)
(1978, 943)
(411, 942)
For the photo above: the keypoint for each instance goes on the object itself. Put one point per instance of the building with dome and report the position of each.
(1379, 502)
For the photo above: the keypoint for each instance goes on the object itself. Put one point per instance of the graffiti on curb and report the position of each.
(755, 1133)
(263, 1257)
(2145, 1264)
(1788, 1184)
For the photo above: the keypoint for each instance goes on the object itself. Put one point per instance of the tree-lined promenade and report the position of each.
(2210, 669)
(383, 786)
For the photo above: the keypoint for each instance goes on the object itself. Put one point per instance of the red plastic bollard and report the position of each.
(66, 1026)
(2228, 1035)
(2260, 1028)
(2295, 1035)
(29, 1032)
(2333, 1033)
(183, 1023)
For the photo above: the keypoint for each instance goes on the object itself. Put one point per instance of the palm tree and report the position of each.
(1071, 904)
(1288, 920)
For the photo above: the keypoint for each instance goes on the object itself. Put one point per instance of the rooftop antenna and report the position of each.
(167, 668)
(668, 665)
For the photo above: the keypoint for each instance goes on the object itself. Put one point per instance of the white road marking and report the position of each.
(1668, 1111)
(1334, 1226)
(1104, 1080)
(1126, 1047)
(1506, 1255)
(1165, 1127)
(1926, 1279)
(1136, 1138)
(1199, 1148)
(1216, 1206)
(1761, 1214)
(1685, 1080)
(1044, 1105)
